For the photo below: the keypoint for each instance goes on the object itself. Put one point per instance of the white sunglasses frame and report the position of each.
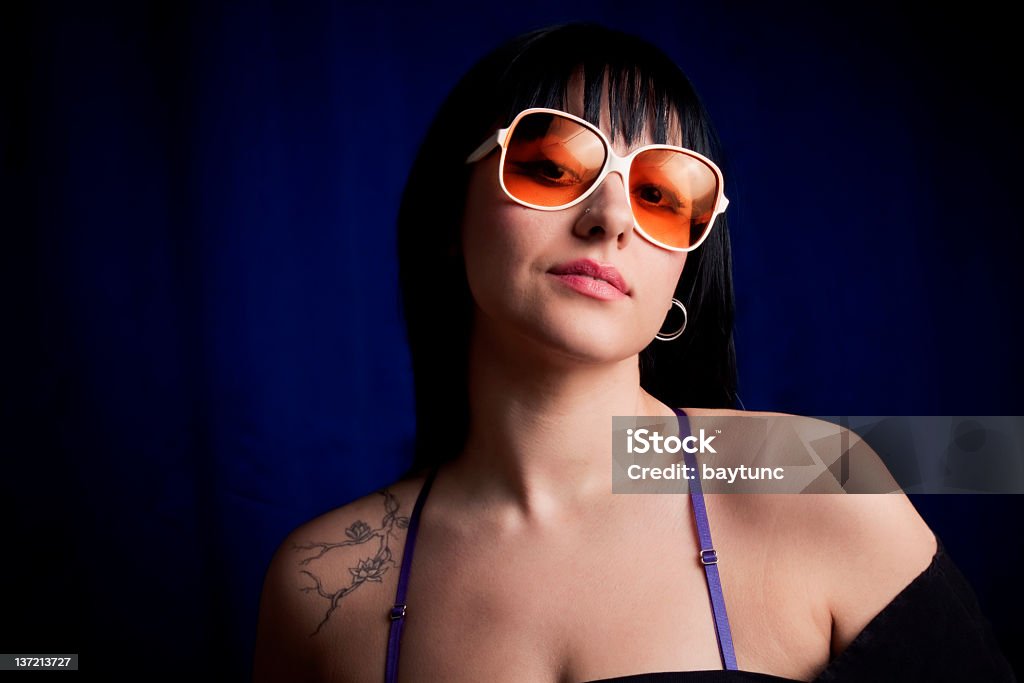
(613, 164)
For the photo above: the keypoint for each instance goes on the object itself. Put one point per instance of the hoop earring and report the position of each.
(678, 333)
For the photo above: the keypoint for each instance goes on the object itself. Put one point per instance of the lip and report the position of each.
(588, 277)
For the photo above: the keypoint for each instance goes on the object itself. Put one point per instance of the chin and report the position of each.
(563, 337)
(589, 346)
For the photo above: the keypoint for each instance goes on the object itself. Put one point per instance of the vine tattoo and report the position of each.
(370, 569)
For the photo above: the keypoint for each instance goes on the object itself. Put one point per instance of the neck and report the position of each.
(540, 427)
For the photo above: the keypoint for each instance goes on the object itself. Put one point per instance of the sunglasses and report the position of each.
(551, 160)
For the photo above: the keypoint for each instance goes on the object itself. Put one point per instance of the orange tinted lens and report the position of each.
(673, 196)
(551, 160)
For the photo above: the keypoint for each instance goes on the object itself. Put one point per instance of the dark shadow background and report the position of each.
(203, 343)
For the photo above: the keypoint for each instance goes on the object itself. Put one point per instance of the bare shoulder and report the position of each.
(864, 548)
(878, 543)
(328, 588)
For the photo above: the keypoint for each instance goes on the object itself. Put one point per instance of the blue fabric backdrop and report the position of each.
(204, 343)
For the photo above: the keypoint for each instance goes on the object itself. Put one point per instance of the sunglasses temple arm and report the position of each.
(488, 144)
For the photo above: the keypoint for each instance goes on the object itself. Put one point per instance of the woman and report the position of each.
(538, 291)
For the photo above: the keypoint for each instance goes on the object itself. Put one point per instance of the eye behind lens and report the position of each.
(551, 160)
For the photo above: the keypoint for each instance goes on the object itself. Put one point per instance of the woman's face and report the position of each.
(530, 271)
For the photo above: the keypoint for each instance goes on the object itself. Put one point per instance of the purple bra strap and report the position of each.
(397, 613)
(708, 556)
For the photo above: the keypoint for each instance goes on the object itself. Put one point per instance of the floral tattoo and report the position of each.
(371, 568)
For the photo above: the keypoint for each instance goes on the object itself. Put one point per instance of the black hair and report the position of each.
(534, 70)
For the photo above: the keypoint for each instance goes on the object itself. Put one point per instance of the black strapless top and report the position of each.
(717, 676)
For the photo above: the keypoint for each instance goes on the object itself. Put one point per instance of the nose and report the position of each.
(606, 213)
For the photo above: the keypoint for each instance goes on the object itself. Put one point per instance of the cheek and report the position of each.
(664, 273)
(490, 236)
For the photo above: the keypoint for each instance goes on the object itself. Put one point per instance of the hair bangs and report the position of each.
(646, 92)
